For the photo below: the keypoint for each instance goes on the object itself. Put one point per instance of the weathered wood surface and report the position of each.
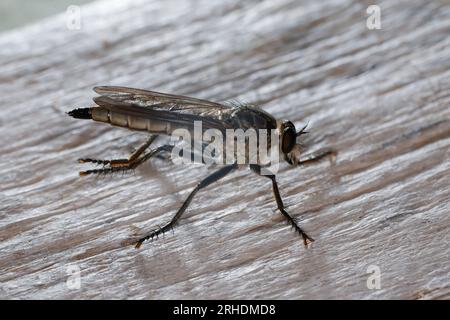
(381, 97)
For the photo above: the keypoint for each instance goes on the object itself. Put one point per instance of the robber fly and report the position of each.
(161, 114)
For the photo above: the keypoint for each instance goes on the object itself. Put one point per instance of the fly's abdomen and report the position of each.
(130, 122)
(127, 121)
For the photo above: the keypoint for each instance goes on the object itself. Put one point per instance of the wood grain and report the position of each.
(381, 97)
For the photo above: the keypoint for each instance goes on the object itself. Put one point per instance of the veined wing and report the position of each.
(158, 106)
(148, 98)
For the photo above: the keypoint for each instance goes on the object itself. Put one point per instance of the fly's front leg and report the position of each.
(317, 156)
(276, 192)
(118, 164)
(222, 172)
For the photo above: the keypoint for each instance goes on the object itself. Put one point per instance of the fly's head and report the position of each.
(289, 146)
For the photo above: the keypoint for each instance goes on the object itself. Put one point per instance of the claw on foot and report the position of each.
(307, 239)
(333, 155)
(138, 244)
(83, 173)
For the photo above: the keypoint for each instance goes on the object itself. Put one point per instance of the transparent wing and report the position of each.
(146, 98)
(162, 106)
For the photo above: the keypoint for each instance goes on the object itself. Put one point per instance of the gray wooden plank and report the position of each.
(380, 97)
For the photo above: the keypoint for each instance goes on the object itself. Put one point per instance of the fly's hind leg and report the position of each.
(222, 172)
(131, 166)
(135, 159)
(118, 164)
(122, 162)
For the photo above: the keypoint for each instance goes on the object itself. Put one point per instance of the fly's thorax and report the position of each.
(248, 116)
(241, 146)
(249, 138)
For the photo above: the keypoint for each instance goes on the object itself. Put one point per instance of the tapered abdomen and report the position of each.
(127, 121)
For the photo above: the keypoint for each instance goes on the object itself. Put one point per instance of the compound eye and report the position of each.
(289, 138)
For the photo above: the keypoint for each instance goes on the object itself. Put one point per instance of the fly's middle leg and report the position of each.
(276, 192)
(222, 172)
